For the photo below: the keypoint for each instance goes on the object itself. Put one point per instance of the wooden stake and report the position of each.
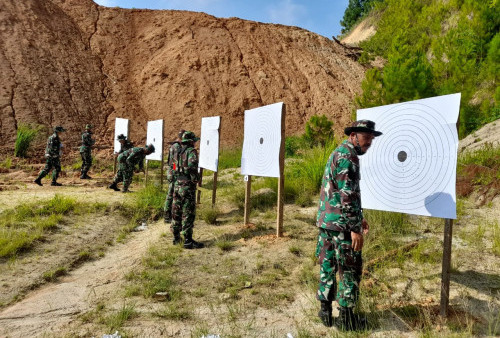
(248, 190)
(146, 174)
(214, 189)
(198, 197)
(281, 182)
(445, 274)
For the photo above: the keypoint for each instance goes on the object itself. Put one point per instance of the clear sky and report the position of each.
(318, 16)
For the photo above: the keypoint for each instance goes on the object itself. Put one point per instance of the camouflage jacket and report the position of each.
(53, 146)
(125, 146)
(87, 141)
(340, 198)
(186, 165)
(133, 156)
(173, 152)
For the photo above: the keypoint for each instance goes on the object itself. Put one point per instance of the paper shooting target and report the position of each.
(411, 168)
(155, 136)
(209, 143)
(262, 141)
(121, 127)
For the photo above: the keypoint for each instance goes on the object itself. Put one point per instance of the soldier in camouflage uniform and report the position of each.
(172, 153)
(127, 162)
(52, 154)
(341, 228)
(124, 143)
(184, 204)
(86, 152)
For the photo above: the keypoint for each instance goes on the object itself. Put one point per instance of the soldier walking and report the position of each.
(52, 157)
(86, 152)
(172, 153)
(127, 162)
(184, 203)
(341, 228)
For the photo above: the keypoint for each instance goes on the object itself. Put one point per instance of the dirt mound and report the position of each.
(488, 134)
(72, 62)
(363, 31)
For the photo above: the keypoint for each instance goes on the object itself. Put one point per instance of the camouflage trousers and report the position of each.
(51, 162)
(184, 208)
(124, 174)
(167, 208)
(336, 254)
(86, 161)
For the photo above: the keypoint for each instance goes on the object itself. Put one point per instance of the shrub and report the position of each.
(25, 135)
(318, 131)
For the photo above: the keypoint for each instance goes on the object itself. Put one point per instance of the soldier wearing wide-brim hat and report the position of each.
(52, 157)
(341, 228)
(86, 151)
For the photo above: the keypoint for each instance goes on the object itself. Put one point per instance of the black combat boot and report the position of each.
(38, 181)
(325, 313)
(349, 321)
(177, 239)
(190, 243)
(87, 177)
(55, 184)
(114, 187)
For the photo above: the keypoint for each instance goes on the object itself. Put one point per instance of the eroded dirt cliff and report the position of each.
(72, 62)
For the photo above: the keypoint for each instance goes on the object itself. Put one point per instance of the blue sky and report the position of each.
(319, 16)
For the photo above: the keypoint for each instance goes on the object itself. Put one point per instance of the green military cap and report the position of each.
(59, 129)
(88, 126)
(121, 137)
(151, 147)
(189, 136)
(366, 126)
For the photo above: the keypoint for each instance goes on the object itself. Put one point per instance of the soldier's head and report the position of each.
(88, 127)
(149, 149)
(361, 133)
(121, 138)
(58, 129)
(181, 133)
(189, 137)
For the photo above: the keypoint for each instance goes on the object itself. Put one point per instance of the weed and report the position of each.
(25, 135)
(52, 275)
(297, 251)
(175, 311)
(224, 244)
(116, 320)
(6, 163)
(209, 215)
(496, 239)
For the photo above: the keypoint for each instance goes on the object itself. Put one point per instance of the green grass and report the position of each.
(6, 163)
(52, 275)
(25, 136)
(496, 239)
(230, 158)
(175, 312)
(116, 320)
(224, 244)
(209, 215)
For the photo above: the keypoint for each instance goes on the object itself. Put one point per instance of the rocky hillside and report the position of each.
(72, 62)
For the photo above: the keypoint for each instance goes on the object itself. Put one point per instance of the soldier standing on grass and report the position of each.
(341, 228)
(172, 153)
(184, 204)
(127, 162)
(52, 158)
(86, 151)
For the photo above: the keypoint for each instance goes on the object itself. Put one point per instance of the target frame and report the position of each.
(154, 136)
(411, 168)
(121, 127)
(209, 143)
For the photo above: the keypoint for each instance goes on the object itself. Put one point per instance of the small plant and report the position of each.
(209, 215)
(51, 276)
(297, 251)
(116, 320)
(224, 244)
(496, 239)
(174, 312)
(25, 136)
(7, 163)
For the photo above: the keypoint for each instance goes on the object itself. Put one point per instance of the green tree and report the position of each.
(318, 131)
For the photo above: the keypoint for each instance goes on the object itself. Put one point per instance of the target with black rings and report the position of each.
(412, 160)
(262, 141)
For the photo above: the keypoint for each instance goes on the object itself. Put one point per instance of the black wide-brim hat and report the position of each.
(365, 126)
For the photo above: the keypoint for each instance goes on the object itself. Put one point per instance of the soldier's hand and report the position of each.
(357, 241)
(366, 226)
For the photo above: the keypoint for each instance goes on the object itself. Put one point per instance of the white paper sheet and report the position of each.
(262, 140)
(121, 127)
(411, 168)
(155, 136)
(209, 143)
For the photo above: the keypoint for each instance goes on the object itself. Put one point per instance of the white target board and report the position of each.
(209, 143)
(154, 136)
(262, 141)
(121, 127)
(411, 168)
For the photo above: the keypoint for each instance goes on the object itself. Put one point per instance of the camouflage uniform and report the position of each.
(184, 203)
(127, 161)
(86, 151)
(339, 213)
(52, 154)
(125, 146)
(172, 153)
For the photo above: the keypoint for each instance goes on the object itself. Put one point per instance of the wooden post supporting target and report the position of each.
(146, 174)
(445, 274)
(214, 189)
(248, 191)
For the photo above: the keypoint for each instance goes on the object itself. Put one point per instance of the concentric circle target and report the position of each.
(412, 160)
(263, 141)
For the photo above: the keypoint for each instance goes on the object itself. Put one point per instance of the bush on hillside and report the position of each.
(25, 135)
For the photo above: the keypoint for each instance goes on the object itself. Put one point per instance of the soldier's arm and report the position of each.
(193, 166)
(346, 177)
